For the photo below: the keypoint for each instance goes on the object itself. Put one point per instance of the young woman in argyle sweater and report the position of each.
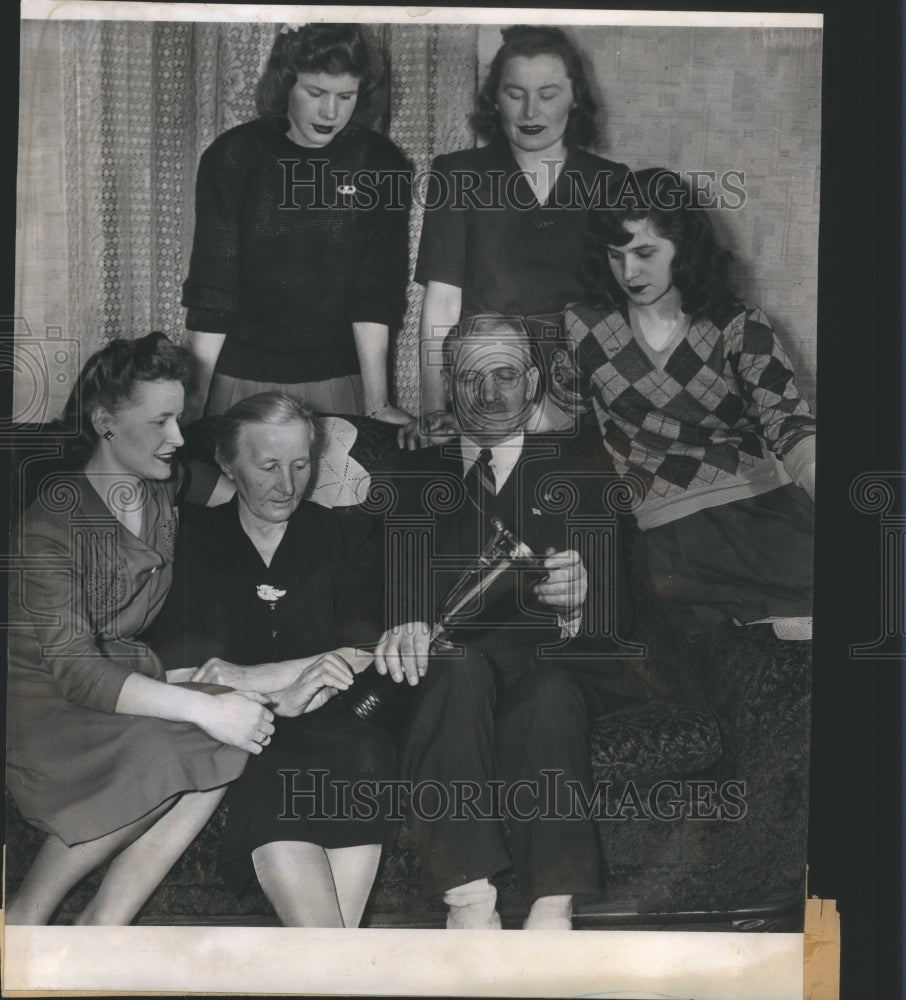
(697, 403)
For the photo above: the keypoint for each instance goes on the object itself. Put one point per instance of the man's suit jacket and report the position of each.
(553, 498)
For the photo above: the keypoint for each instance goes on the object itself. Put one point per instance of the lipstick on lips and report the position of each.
(531, 129)
(323, 129)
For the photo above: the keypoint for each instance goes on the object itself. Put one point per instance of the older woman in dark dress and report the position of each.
(274, 595)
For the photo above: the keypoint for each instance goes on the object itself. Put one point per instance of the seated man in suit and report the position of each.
(509, 714)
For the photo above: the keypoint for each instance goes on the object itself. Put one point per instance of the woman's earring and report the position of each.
(108, 435)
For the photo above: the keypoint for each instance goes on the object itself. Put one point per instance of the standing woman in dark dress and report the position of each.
(274, 595)
(104, 753)
(299, 262)
(504, 224)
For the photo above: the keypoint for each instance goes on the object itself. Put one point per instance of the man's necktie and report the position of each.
(480, 478)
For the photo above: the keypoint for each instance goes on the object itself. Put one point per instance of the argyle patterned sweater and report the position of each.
(714, 418)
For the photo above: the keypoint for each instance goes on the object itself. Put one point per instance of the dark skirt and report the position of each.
(283, 796)
(744, 560)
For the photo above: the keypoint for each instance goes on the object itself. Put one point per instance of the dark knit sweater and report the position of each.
(293, 245)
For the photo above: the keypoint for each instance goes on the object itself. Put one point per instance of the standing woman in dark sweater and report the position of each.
(299, 262)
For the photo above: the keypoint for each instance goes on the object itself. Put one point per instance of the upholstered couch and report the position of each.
(706, 783)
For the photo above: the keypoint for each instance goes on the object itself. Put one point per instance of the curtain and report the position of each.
(115, 116)
(434, 71)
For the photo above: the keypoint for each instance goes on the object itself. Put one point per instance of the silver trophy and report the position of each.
(377, 697)
(504, 551)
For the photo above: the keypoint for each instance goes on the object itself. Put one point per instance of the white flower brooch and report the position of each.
(269, 594)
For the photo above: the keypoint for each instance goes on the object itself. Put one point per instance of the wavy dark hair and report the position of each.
(109, 378)
(275, 408)
(537, 40)
(701, 268)
(321, 48)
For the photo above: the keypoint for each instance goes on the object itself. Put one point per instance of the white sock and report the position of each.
(550, 913)
(472, 906)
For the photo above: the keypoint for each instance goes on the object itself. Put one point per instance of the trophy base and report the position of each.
(377, 698)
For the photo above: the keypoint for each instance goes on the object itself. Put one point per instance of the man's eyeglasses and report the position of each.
(504, 378)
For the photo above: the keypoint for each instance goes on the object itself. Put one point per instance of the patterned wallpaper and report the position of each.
(115, 115)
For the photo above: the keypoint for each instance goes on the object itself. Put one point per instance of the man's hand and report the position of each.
(402, 652)
(566, 584)
(437, 427)
(407, 437)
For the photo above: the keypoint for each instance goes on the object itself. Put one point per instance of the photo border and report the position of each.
(851, 445)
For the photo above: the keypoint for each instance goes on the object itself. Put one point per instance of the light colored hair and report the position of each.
(275, 408)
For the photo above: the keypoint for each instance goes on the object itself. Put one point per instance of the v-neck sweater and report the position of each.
(715, 417)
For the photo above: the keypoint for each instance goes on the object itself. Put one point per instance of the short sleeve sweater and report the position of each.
(485, 232)
(715, 417)
(292, 245)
